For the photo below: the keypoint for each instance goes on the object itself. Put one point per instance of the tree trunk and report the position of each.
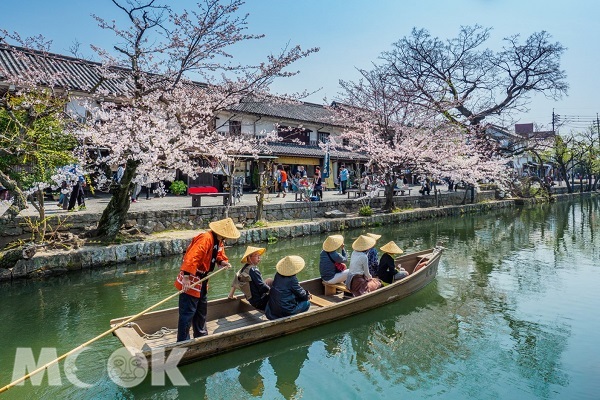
(19, 200)
(115, 213)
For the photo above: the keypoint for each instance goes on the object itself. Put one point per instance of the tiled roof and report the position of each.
(74, 73)
(81, 75)
(296, 150)
(302, 112)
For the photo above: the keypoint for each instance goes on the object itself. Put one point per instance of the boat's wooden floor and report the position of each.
(237, 321)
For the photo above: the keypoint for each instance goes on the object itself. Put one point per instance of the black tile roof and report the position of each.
(296, 150)
(82, 75)
(73, 73)
(294, 111)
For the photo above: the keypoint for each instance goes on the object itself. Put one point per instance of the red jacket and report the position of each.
(197, 259)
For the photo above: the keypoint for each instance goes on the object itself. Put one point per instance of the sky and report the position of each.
(352, 34)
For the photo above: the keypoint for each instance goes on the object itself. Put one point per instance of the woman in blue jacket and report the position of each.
(287, 297)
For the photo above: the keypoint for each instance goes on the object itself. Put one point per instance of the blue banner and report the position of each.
(326, 163)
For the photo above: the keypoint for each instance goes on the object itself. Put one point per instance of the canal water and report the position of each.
(513, 313)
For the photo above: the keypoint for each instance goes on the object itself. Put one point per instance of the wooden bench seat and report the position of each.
(197, 198)
(355, 192)
(319, 301)
(331, 289)
(397, 192)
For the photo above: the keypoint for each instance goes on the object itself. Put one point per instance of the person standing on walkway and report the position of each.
(282, 181)
(202, 255)
(344, 176)
(77, 194)
(318, 181)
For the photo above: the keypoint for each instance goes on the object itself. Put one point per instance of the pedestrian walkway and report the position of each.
(95, 205)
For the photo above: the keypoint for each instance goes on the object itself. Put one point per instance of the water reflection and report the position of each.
(251, 379)
(512, 314)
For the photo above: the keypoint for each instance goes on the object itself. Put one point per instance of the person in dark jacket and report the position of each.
(388, 272)
(287, 297)
(332, 263)
(249, 279)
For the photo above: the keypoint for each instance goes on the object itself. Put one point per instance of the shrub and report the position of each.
(178, 187)
(365, 211)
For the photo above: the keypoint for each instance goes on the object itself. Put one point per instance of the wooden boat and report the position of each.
(234, 323)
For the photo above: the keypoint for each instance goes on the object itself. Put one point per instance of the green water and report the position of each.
(513, 314)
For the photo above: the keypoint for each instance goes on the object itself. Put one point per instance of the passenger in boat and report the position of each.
(249, 279)
(287, 297)
(388, 272)
(359, 279)
(202, 255)
(331, 263)
(373, 257)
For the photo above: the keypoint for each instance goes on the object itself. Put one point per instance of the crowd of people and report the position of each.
(282, 295)
(311, 190)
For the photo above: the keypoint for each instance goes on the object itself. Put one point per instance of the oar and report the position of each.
(111, 330)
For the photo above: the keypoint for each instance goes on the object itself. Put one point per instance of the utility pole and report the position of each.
(598, 128)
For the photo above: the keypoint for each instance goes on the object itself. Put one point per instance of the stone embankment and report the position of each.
(175, 242)
(58, 262)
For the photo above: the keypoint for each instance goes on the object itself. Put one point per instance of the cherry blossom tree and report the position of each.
(160, 120)
(396, 135)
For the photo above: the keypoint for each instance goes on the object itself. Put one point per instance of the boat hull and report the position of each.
(224, 314)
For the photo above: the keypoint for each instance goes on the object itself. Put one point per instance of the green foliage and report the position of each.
(34, 141)
(272, 239)
(178, 187)
(365, 211)
(261, 223)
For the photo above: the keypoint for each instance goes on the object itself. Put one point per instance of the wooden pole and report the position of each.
(108, 332)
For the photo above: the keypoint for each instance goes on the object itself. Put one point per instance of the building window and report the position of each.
(290, 133)
(323, 137)
(235, 127)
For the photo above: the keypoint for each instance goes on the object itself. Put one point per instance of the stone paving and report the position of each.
(95, 205)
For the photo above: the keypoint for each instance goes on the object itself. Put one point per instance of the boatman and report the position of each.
(202, 255)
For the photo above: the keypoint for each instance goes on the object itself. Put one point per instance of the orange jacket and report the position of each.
(197, 258)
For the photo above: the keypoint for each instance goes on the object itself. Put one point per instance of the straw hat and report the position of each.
(333, 243)
(374, 236)
(225, 227)
(391, 248)
(363, 243)
(290, 265)
(251, 250)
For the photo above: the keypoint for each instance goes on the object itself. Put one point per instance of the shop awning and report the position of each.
(298, 160)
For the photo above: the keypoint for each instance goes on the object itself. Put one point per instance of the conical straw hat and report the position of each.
(225, 227)
(374, 236)
(391, 248)
(363, 243)
(251, 250)
(290, 265)
(333, 243)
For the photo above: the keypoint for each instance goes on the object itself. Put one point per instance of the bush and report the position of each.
(365, 211)
(178, 187)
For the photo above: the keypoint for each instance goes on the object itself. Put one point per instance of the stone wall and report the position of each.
(55, 263)
(199, 217)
